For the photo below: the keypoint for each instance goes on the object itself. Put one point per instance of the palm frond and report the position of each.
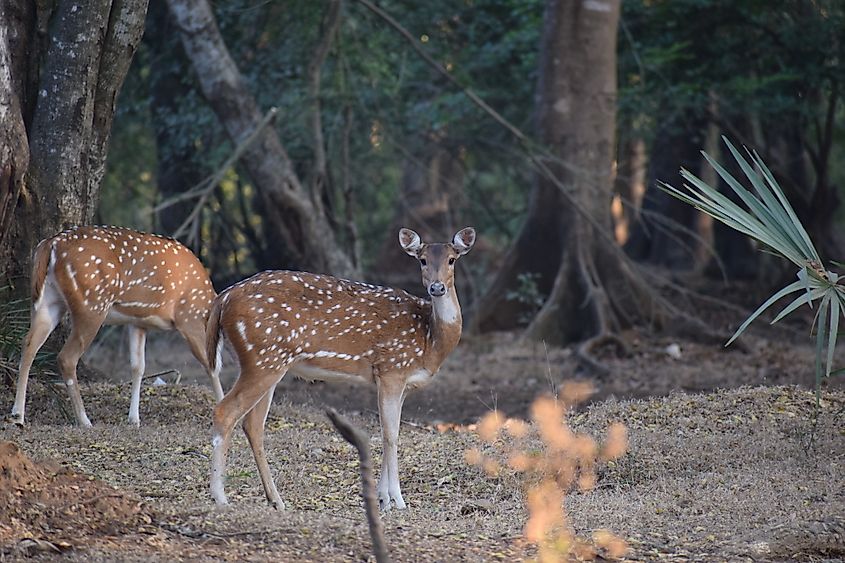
(766, 216)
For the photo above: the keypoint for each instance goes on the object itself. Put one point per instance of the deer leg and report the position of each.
(197, 345)
(85, 328)
(242, 398)
(254, 423)
(46, 314)
(390, 399)
(137, 363)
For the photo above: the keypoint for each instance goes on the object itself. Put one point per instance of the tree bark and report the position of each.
(62, 68)
(15, 33)
(566, 243)
(291, 215)
(666, 231)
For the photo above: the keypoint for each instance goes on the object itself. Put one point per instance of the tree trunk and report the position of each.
(61, 72)
(566, 245)
(177, 172)
(292, 215)
(630, 186)
(16, 33)
(666, 231)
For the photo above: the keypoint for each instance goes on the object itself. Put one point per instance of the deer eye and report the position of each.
(451, 261)
(422, 261)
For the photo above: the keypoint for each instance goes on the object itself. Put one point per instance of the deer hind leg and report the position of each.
(85, 328)
(196, 341)
(254, 423)
(137, 363)
(251, 387)
(390, 399)
(46, 314)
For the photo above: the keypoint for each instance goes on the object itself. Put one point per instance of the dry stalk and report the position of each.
(357, 438)
(567, 460)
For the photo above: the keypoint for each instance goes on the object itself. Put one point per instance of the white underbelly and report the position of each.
(150, 322)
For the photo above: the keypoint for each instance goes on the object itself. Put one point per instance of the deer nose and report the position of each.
(437, 289)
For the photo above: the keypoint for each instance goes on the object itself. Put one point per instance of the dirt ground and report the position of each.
(727, 474)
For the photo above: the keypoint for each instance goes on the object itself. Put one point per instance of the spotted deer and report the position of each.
(325, 328)
(112, 275)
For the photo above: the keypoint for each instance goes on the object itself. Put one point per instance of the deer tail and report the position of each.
(213, 330)
(40, 266)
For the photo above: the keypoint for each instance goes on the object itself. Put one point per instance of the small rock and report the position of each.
(673, 351)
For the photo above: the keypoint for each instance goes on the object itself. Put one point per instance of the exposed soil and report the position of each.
(727, 474)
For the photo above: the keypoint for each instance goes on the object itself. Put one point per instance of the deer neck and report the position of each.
(445, 326)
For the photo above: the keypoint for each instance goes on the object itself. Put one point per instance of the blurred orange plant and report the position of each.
(564, 459)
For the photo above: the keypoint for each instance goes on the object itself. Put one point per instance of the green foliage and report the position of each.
(769, 218)
(14, 324)
(395, 103)
(771, 59)
(527, 293)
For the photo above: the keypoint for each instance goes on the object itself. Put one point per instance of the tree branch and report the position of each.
(331, 22)
(203, 189)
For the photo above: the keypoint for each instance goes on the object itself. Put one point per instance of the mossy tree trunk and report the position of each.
(61, 68)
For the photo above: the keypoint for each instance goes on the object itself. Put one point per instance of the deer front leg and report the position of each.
(390, 398)
(137, 362)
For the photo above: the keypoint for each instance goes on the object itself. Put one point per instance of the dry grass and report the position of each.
(719, 475)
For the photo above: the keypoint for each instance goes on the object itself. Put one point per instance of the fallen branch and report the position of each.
(357, 438)
(165, 372)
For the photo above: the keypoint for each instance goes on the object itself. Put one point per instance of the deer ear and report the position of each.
(410, 241)
(463, 240)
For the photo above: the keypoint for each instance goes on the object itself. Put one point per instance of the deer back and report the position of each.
(278, 318)
(129, 274)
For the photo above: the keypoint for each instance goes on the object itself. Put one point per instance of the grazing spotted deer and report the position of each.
(111, 275)
(324, 328)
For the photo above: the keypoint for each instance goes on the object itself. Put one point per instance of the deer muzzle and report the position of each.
(437, 289)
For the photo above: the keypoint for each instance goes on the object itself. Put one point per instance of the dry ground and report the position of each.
(709, 476)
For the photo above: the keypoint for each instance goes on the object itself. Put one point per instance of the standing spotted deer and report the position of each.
(324, 328)
(111, 275)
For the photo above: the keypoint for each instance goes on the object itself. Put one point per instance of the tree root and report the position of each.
(586, 359)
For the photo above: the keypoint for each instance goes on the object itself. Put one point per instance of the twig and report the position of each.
(439, 68)
(203, 190)
(406, 422)
(60, 400)
(165, 372)
(89, 500)
(357, 438)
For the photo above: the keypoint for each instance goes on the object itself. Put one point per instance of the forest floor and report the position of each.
(720, 465)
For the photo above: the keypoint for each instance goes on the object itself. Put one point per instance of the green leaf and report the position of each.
(791, 288)
(820, 340)
(808, 298)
